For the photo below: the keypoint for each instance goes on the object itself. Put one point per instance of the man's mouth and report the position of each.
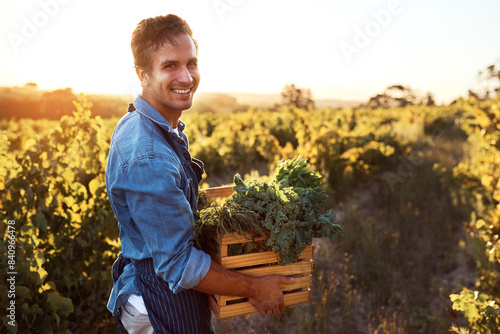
(182, 91)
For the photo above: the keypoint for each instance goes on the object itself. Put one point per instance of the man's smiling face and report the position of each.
(173, 77)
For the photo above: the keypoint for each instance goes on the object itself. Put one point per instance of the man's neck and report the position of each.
(171, 116)
(171, 119)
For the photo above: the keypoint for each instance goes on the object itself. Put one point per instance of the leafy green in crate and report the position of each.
(227, 218)
(296, 173)
(290, 209)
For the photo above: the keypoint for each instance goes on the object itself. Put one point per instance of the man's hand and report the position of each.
(262, 291)
(268, 298)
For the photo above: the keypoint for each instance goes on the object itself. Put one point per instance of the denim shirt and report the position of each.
(153, 198)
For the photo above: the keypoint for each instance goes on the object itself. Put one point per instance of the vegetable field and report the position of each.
(416, 190)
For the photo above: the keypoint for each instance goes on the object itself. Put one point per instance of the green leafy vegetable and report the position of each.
(296, 173)
(227, 218)
(289, 208)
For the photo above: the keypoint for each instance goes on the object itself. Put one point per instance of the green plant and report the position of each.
(481, 310)
(66, 233)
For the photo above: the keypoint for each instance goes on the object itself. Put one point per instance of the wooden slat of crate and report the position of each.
(302, 283)
(235, 238)
(218, 191)
(254, 259)
(229, 311)
(296, 268)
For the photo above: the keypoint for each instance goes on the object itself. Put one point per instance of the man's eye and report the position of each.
(193, 64)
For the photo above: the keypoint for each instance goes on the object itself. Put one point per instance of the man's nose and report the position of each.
(185, 75)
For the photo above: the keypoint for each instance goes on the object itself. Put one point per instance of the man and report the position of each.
(161, 281)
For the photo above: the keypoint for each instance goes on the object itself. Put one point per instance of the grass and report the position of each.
(395, 267)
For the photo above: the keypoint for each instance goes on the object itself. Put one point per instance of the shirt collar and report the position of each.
(153, 114)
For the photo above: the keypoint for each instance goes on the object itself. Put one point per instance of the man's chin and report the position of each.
(183, 105)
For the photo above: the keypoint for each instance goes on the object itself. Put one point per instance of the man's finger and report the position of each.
(287, 279)
(282, 306)
(262, 312)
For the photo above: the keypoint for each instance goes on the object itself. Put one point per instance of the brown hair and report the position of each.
(152, 33)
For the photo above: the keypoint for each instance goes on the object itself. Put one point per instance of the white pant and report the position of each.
(134, 321)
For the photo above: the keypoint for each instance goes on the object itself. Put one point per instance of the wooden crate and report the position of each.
(258, 264)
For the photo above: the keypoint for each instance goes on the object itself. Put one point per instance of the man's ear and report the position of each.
(143, 76)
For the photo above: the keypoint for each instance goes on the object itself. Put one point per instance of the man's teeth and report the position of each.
(179, 91)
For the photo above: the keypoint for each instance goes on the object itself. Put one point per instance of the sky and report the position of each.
(348, 50)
